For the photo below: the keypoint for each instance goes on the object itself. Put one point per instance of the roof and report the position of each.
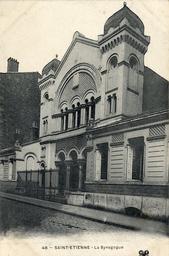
(115, 20)
(52, 65)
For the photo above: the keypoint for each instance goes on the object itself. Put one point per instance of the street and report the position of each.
(48, 232)
(19, 217)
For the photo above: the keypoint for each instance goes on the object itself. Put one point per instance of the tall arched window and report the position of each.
(92, 108)
(86, 112)
(66, 118)
(113, 62)
(112, 73)
(73, 116)
(78, 114)
(133, 63)
(30, 163)
(133, 73)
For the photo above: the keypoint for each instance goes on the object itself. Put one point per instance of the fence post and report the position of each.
(50, 183)
(38, 184)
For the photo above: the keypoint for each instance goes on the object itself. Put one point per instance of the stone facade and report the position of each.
(104, 130)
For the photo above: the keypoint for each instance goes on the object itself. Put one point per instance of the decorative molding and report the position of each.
(131, 90)
(42, 83)
(104, 72)
(112, 90)
(160, 137)
(131, 38)
(117, 139)
(143, 39)
(123, 62)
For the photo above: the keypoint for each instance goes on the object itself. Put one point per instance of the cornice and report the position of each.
(131, 38)
(135, 123)
(128, 29)
(48, 81)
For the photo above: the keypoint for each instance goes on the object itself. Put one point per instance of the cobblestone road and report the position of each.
(47, 233)
(19, 217)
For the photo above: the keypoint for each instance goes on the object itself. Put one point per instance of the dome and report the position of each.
(115, 20)
(52, 65)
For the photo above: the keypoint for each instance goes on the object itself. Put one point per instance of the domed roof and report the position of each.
(115, 20)
(52, 65)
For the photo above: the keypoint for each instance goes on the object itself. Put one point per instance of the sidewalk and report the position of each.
(93, 214)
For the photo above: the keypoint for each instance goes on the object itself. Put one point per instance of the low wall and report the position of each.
(154, 207)
(7, 186)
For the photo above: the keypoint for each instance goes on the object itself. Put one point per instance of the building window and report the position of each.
(113, 62)
(109, 100)
(133, 63)
(45, 126)
(93, 108)
(66, 119)
(101, 161)
(86, 112)
(78, 114)
(43, 151)
(73, 117)
(112, 103)
(135, 158)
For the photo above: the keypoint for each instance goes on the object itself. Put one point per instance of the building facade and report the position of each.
(104, 123)
(19, 116)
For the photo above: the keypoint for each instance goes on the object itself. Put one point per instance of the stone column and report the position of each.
(76, 119)
(89, 113)
(82, 117)
(64, 126)
(70, 120)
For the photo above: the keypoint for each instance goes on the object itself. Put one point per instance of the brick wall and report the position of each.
(21, 106)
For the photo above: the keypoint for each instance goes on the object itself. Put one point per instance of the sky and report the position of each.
(33, 32)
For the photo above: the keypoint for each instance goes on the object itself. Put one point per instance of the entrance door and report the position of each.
(74, 177)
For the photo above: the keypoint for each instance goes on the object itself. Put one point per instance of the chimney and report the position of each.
(13, 65)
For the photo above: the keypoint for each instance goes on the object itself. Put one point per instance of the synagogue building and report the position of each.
(104, 124)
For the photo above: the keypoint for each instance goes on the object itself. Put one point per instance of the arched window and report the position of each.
(112, 103)
(78, 114)
(133, 73)
(66, 118)
(92, 108)
(45, 126)
(86, 112)
(30, 163)
(113, 62)
(46, 96)
(133, 63)
(73, 116)
(112, 74)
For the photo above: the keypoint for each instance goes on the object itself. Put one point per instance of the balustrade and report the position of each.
(76, 117)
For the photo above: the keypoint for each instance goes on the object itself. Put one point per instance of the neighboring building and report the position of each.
(19, 115)
(104, 123)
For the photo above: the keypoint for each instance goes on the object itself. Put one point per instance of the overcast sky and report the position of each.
(33, 32)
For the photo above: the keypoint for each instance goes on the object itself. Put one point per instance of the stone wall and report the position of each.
(152, 207)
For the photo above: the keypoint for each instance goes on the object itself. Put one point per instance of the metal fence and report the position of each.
(38, 183)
